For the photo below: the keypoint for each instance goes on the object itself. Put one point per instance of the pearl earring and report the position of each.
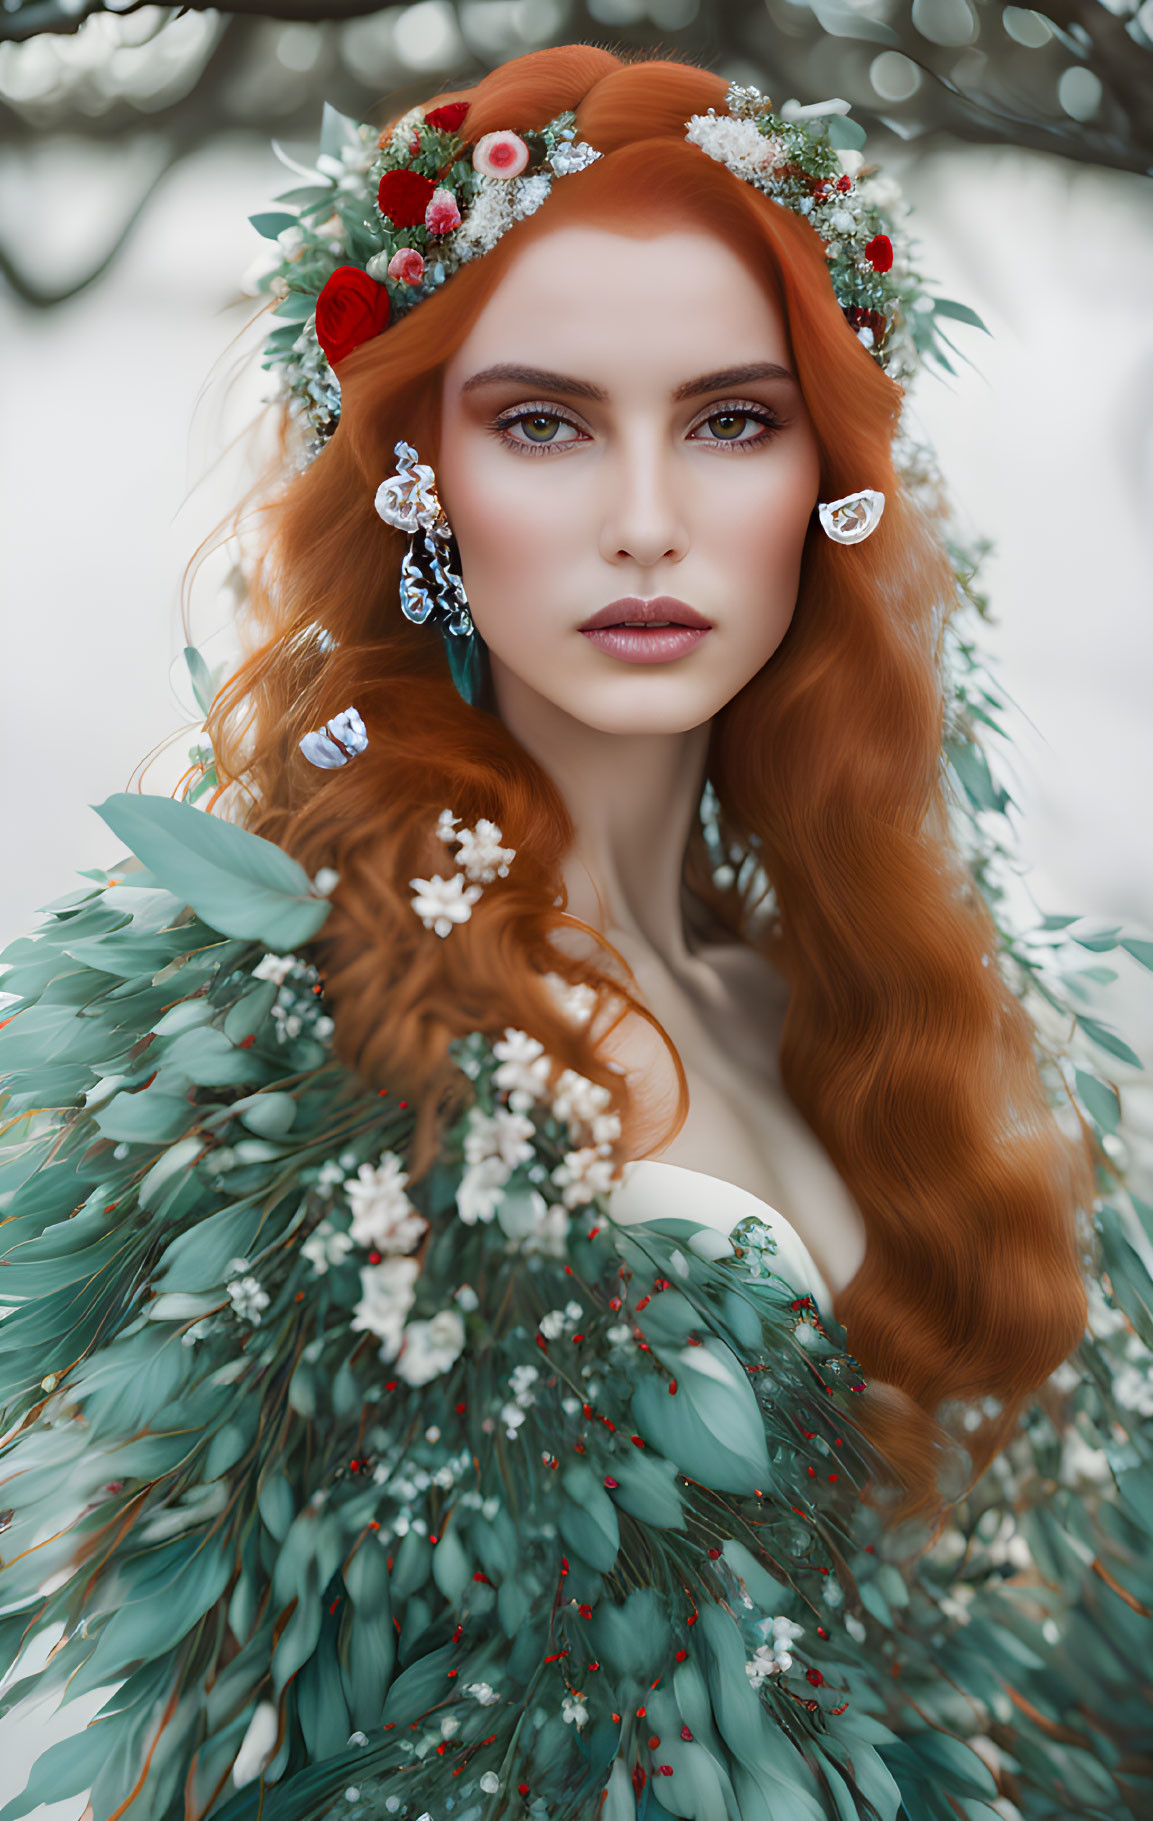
(853, 518)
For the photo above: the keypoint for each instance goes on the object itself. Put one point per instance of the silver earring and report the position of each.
(853, 518)
(428, 583)
(338, 741)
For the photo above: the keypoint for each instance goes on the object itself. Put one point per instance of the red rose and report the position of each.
(879, 253)
(403, 197)
(447, 119)
(351, 309)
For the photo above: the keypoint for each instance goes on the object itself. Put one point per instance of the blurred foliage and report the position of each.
(1076, 80)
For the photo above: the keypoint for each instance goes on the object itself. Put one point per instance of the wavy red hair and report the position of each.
(903, 1047)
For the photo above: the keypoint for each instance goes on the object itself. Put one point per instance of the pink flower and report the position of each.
(500, 155)
(407, 266)
(442, 215)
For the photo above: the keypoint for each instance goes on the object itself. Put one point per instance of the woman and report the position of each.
(444, 1345)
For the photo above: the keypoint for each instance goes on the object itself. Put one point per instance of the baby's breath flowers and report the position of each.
(441, 903)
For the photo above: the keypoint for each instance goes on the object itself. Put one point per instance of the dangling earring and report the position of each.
(850, 520)
(428, 582)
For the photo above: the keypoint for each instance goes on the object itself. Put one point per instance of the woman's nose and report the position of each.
(643, 520)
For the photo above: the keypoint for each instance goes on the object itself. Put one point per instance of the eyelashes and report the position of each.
(542, 412)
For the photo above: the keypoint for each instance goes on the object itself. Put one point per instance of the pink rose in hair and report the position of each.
(500, 155)
(442, 215)
(407, 266)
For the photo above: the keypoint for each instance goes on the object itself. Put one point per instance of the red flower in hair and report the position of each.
(351, 309)
(879, 253)
(447, 119)
(404, 196)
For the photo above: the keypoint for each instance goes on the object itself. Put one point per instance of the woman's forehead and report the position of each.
(678, 302)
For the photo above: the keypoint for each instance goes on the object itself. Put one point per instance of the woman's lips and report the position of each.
(647, 644)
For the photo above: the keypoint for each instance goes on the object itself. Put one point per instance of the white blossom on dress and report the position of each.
(521, 1381)
(274, 967)
(605, 1129)
(431, 1347)
(482, 1692)
(574, 1709)
(775, 1655)
(583, 1174)
(249, 1298)
(502, 1134)
(387, 1294)
(576, 1100)
(326, 1245)
(556, 1322)
(523, 1070)
(383, 1218)
(576, 999)
(512, 1416)
(481, 1190)
(442, 903)
(550, 1234)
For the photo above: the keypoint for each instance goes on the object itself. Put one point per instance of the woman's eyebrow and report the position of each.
(728, 377)
(539, 378)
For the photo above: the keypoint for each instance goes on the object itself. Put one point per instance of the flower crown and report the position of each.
(383, 222)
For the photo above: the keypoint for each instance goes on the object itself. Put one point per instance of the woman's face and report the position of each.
(621, 427)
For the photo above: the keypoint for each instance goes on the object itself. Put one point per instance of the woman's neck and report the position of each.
(634, 800)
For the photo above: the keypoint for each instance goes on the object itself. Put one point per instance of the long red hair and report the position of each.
(908, 1055)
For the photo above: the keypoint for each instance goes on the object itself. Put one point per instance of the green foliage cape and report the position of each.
(608, 1537)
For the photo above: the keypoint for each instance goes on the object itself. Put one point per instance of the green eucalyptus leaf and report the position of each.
(1099, 1100)
(1108, 1040)
(269, 223)
(239, 883)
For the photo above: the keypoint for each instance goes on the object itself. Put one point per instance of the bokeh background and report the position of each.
(135, 142)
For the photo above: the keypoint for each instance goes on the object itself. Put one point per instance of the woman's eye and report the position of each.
(542, 429)
(735, 426)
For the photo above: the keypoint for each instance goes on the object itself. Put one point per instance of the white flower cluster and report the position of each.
(521, 1380)
(739, 145)
(574, 1709)
(442, 903)
(556, 1322)
(407, 1484)
(588, 1169)
(775, 1654)
(575, 1000)
(247, 1294)
(297, 1009)
(385, 1222)
(493, 1147)
(483, 1692)
(383, 1218)
(326, 1245)
(524, 1069)
(499, 203)
(431, 1347)
(582, 1175)
(479, 852)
